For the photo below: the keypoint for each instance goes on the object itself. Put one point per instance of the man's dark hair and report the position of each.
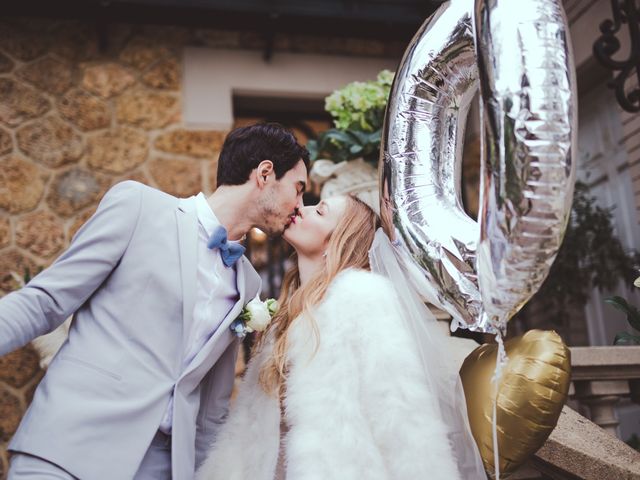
(245, 147)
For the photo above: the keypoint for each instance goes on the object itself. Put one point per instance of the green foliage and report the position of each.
(360, 105)
(27, 275)
(633, 317)
(634, 442)
(590, 256)
(339, 145)
(21, 281)
(358, 114)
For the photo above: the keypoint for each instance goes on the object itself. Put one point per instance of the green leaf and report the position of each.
(338, 135)
(633, 314)
(634, 319)
(312, 146)
(624, 338)
(619, 303)
(359, 136)
(376, 137)
(355, 149)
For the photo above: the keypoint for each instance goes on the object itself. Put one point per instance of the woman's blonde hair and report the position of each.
(348, 247)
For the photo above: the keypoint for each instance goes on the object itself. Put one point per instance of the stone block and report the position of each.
(41, 233)
(164, 75)
(76, 189)
(181, 178)
(195, 143)
(79, 222)
(10, 414)
(75, 41)
(147, 110)
(137, 176)
(31, 389)
(48, 74)
(22, 185)
(6, 65)
(84, 110)
(50, 141)
(394, 49)
(577, 448)
(605, 363)
(364, 47)
(22, 44)
(13, 260)
(317, 44)
(19, 367)
(117, 150)
(212, 167)
(219, 38)
(6, 142)
(142, 52)
(107, 80)
(4, 463)
(283, 42)
(119, 35)
(19, 103)
(5, 231)
(252, 40)
(169, 36)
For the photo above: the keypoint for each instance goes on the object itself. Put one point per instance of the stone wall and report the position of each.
(81, 110)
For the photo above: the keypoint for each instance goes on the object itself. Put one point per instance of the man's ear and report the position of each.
(264, 170)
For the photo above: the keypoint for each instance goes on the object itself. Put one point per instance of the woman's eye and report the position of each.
(318, 212)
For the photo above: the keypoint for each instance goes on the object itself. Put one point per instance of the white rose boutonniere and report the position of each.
(255, 317)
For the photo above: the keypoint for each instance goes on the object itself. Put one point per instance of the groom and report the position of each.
(143, 381)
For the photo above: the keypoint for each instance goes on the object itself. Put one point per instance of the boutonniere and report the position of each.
(255, 317)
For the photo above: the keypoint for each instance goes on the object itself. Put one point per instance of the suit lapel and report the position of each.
(188, 242)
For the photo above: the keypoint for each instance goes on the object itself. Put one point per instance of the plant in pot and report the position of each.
(345, 157)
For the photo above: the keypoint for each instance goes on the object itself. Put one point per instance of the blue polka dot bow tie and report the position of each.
(230, 252)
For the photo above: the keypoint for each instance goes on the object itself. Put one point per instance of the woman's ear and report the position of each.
(265, 169)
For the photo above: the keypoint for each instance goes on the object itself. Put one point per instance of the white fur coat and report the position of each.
(357, 408)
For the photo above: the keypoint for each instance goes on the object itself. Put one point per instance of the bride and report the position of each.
(347, 382)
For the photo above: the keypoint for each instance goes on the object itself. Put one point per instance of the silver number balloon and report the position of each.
(529, 121)
(421, 155)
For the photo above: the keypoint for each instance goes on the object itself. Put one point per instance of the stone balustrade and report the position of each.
(588, 449)
(602, 376)
(578, 448)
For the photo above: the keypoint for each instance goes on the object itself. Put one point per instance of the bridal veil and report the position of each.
(431, 342)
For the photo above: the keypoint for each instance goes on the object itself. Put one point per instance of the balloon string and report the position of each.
(494, 434)
(501, 360)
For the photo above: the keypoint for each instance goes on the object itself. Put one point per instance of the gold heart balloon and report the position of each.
(533, 389)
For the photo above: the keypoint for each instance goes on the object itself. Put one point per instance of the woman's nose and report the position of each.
(303, 211)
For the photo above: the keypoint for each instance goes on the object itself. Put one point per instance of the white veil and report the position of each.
(432, 343)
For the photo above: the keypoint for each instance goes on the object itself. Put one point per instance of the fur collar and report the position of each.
(356, 405)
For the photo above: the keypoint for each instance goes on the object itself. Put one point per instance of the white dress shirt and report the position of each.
(216, 292)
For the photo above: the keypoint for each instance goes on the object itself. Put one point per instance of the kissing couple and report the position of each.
(349, 380)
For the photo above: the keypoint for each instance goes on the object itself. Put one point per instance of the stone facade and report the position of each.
(77, 116)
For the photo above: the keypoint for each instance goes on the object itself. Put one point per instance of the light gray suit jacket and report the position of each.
(130, 277)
